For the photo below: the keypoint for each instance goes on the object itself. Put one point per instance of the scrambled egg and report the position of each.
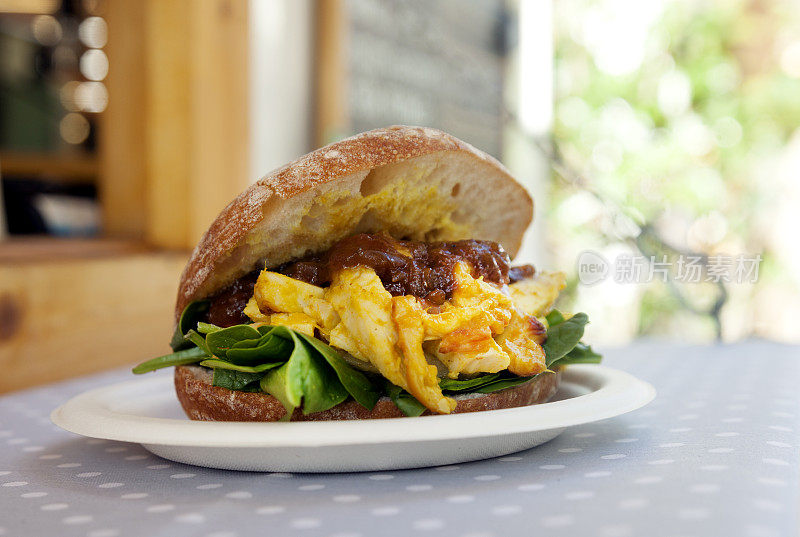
(482, 329)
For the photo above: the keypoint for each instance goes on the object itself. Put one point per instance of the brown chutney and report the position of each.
(405, 267)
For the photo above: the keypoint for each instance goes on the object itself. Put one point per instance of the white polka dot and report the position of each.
(89, 474)
(613, 456)
(781, 428)
(680, 430)
(584, 435)
(509, 459)
(696, 404)
(685, 417)
(315, 486)
(732, 420)
(552, 467)
(239, 495)
(182, 476)
(134, 496)
(599, 473)
(672, 445)
(579, 495)
(69, 465)
(105, 532)
(209, 486)
(161, 508)
(727, 434)
(487, 477)
(530, 487)
(781, 414)
(778, 444)
(346, 498)
(305, 523)
(15, 484)
(50, 457)
(774, 462)
(558, 521)
(570, 450)
(660, 462)
(118, 449)
(461, 498)
(428, 524)
(737, 407)
(626, 440)
(447, 468)
(54, 507)
(33, 449)
(768, 505)
(704, 488)
(695, 513)
(270, 510)
(136, 457)
(633, 503)
(77, 519)
(419, 488)
(772, 481)
(5, 472)
(33, 495)
(506, 510)
(191, 518)
(385, 511)
(158, 466)
(714, 467)
(110, 485)
(647, 480)
(17, 441)
(721, 450)
(381, 477)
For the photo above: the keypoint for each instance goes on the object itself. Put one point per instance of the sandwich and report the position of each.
(370, 278)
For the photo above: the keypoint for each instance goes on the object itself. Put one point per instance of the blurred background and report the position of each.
(655, 131)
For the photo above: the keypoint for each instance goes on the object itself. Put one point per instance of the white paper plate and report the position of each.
(147, 412)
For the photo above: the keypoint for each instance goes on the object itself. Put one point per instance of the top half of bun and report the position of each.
(411, 182)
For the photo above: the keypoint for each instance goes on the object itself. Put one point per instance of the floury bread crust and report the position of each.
(202, 401)
(412, 182)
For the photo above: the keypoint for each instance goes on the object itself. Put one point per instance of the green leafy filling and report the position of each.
(304, 372)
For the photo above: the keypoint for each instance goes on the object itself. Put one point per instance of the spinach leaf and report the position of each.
(581, 354)
(563, 337)
(554, 317)
(469, 385)
(186, 356)
(220, 341)
(207, 328)
(276, 383)
(274, 346)
(198, 340)
(406, 402)
(190, 315)
(221, 364)
(502, 384)
(305, 377)
(354, 381)
(236, 380)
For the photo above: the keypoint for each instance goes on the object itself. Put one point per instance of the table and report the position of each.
(715, 454)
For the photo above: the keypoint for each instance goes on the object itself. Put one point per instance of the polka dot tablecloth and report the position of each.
(715, 454)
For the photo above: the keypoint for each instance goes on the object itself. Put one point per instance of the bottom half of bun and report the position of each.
(203, 401)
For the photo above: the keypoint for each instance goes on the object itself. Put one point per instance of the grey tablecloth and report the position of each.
(715, 454)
